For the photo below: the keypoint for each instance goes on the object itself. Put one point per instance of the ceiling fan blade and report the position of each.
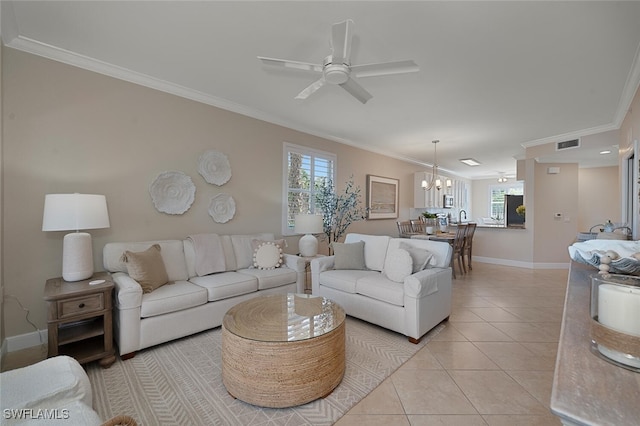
(341, 34)
(306, 66)
(356, 90)
(310, 89)
(384, 68)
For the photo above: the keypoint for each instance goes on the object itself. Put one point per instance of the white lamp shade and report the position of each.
(72, 212)
(308, 224)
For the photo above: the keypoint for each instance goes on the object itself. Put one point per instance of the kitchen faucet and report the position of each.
(460, 216)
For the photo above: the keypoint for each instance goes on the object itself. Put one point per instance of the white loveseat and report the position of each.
(191, 303)
(412, 305)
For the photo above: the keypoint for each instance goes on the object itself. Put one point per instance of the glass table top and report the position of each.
(283, 317)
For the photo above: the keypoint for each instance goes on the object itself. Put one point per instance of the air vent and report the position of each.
(575, 143)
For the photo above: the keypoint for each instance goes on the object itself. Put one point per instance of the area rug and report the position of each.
(180, 382)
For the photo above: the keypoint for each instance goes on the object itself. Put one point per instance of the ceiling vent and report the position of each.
(575, 143)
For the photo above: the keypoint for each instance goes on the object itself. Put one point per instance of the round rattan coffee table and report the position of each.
(283, 350)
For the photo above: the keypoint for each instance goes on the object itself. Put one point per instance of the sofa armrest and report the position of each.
(425, 282)
(294, 262)
(318, 265)
(128, 292)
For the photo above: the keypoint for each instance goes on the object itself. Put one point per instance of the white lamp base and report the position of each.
(77, 256)
(308, 246)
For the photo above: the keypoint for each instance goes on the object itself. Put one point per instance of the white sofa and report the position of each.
(411, 307)
(191, 303)
(54, 391)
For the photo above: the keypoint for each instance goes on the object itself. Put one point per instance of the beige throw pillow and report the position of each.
(146, 267)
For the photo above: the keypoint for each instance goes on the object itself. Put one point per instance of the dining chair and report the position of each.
(458, 249)
(405, 230)
(468, 243)
(418, 226)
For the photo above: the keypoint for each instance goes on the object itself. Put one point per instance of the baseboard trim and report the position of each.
(519, 263)
(23, 341)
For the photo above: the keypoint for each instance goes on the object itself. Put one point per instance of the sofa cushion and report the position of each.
(171, 298)
(146, 267)
(52, 383)
(420, 257)
(226, 284)
(243, 250)
(267, 254)
(398, 265)
(381, 288)
(271, 278)
(375, 249)
(344, 280)
(348, 255)
(441, 251)
(172, 256)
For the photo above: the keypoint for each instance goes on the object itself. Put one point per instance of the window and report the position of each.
(496, 198)
(304, 170)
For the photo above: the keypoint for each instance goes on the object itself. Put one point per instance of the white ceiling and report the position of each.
(494, 76)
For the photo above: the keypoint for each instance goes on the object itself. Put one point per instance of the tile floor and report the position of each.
(492, 364)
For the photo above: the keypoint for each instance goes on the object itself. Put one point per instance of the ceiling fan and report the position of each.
(337, 68)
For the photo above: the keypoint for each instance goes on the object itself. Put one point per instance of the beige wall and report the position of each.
(69, 130)
(554, 193)
(584, 197)
(629, 132)
(598, 196)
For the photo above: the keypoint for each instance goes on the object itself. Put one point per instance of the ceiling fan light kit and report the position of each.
(336, 68)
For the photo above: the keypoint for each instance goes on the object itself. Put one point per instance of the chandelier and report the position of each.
(433, 181)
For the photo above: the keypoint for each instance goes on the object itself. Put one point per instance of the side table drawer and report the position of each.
(80, 305)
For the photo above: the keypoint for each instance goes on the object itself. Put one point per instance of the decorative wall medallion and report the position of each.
(214, 167)
(172, 192)
(222, 208)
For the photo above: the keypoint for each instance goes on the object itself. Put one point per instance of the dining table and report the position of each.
(447, 237)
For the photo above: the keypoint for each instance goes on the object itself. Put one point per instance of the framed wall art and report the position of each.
(382, 197)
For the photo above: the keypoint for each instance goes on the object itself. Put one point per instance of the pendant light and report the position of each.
(433, 181)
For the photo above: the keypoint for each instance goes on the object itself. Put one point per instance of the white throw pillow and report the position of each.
(268, 255)
(421, 257)
(398, 265)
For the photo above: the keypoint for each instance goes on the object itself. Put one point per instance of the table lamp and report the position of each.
(73, 212)
(308, 224)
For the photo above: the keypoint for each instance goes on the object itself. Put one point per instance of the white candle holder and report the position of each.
(615, 319)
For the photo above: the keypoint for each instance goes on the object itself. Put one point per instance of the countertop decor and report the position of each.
(615, 319)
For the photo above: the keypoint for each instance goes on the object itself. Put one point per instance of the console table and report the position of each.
(587, 390)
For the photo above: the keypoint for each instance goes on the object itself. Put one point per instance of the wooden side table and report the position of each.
(80, 319)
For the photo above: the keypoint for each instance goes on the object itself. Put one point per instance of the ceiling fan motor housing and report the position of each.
(335, 73)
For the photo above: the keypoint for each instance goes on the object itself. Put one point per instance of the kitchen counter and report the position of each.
(492, 226)
(587, 390)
